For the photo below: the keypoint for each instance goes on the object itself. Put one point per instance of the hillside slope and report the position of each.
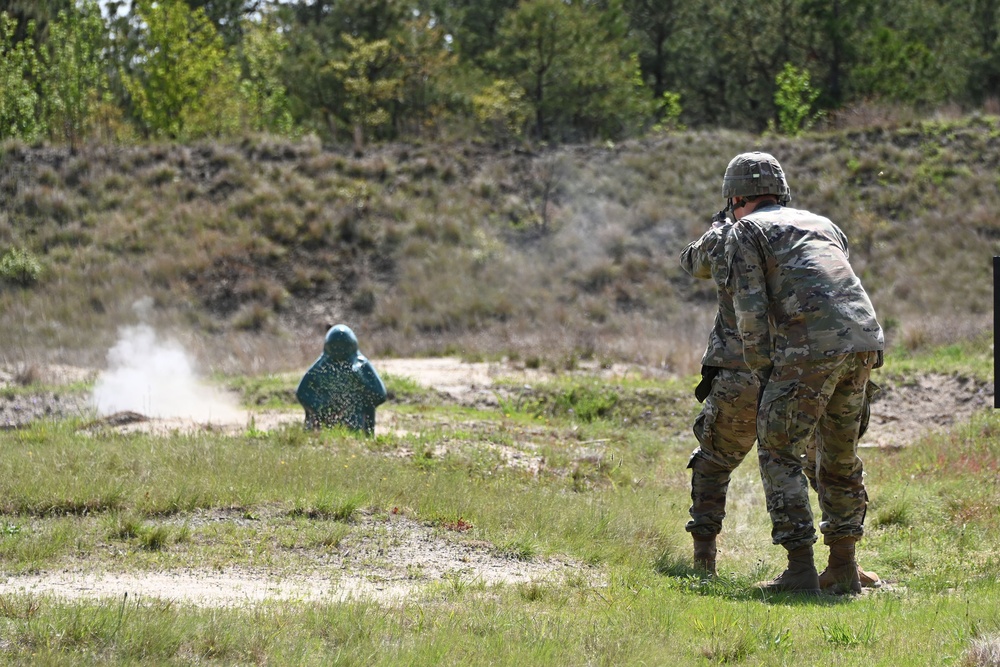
(247, 252)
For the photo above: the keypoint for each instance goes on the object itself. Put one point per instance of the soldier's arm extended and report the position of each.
(748, 283)
(696, 259)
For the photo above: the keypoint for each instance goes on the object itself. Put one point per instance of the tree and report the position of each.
(832, 28)
(369, 81)
(473, 25)
(365, 19)
(794, 100)
(731, 82)
(74, 80)
(19, 69)
(570, 64)
(228, 16)
(427, 71)
(265, 100)
(500, 109)
(184, 86)
(985, 70)
(919, 55)
(40, 13)
(655, 23)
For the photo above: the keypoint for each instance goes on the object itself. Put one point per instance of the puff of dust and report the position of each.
(155, 378)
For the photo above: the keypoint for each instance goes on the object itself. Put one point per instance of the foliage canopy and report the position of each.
(553, 70)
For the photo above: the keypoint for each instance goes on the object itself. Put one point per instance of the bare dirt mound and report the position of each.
(913, 408)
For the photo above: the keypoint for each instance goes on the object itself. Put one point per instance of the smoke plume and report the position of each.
(155, 378)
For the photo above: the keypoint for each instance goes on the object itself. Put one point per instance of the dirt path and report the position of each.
(397, 559)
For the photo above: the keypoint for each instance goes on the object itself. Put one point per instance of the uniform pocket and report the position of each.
(704, 425)
(778, 414)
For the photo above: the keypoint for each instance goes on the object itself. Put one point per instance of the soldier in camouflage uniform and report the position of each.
(726, 428)
(811, 339)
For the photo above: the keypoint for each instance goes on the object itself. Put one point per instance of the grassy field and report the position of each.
(575, 490)
(606, 499)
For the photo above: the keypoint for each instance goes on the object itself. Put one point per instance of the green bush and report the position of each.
(20, 267)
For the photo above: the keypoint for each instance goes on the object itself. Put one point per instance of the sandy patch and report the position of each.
(391, 561)
(906, 411)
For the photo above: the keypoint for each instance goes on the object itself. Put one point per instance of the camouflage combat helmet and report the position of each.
(750, 174)
(341, 343)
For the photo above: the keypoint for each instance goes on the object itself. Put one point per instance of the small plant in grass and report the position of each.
(154, 538)
(18, 607)
(402, 388)
(119, 526)
(337, 509)
(729, 640)
(897, 512)
(28, 375)
(518, 549)
(183, 534)
(847, 634)
(533, 591)
(672, 564)
(253, 317)
(331, 538)
(268, 391)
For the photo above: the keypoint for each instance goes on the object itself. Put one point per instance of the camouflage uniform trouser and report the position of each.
(822, 399)
(726, 429)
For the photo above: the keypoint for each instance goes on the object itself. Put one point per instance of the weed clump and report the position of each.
(20, 267)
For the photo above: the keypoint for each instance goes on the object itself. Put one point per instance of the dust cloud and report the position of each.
(156, 378)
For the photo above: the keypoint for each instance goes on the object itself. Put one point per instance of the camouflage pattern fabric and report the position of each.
(726, 429)
(871, 390)
(789, 273)
(706, 259)
(822, 400)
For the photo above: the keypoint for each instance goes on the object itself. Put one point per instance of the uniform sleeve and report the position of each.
(842, 240)
(748, 283)
(696, 259)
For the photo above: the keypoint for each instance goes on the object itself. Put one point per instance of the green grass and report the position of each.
(972, 358)
(609, 497)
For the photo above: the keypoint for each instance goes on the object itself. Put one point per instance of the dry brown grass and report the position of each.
(983, 652)
(460, 248)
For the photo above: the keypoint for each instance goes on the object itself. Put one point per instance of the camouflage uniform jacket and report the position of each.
(789, 268)
(706, 258)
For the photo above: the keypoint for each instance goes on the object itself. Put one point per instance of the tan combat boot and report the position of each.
(842, 574)
(868, 579)
(799, 577)
(704, 553)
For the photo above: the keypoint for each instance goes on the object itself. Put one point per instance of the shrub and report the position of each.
(20, 267)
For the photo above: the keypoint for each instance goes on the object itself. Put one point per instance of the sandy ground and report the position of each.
(418, 557)
(397, 559)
